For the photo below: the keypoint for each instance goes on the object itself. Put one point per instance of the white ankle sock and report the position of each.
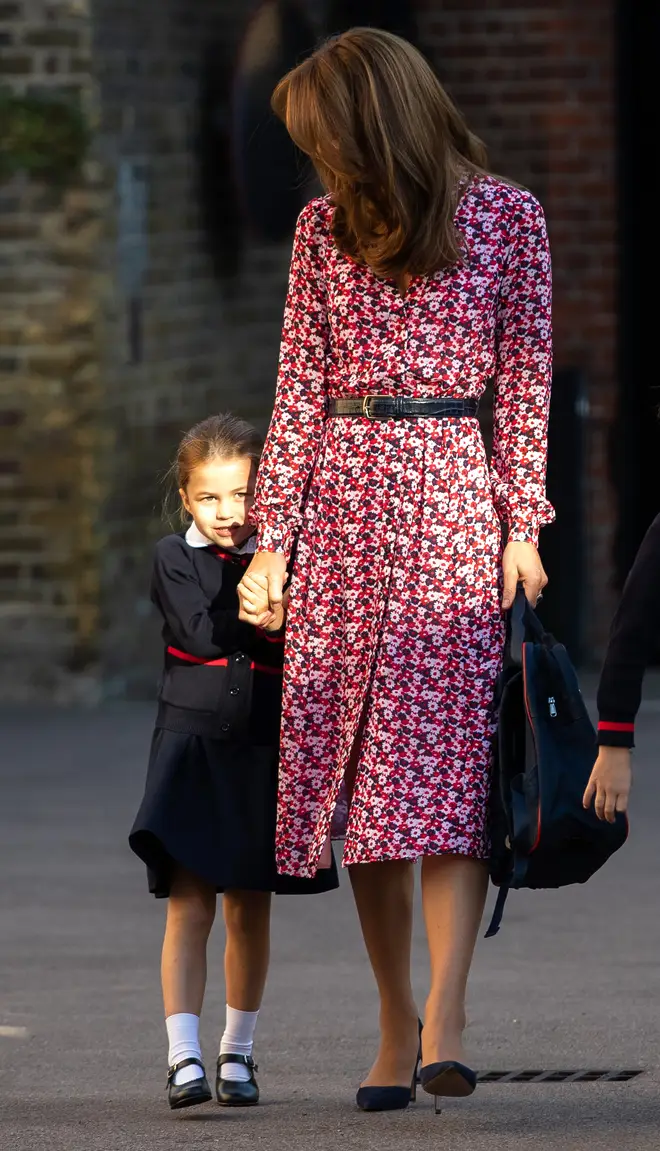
(183, 1035)
(237, 1040)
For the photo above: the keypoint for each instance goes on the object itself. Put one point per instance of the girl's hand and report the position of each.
(277, 620)
(254, 609)
(253, 600)
(278, 615)
(272, 565)
(521, 563)
(610, 782)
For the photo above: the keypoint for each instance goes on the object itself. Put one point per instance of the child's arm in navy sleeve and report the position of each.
(634, 638)
(199, 630)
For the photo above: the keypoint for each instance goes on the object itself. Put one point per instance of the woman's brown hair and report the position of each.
(221, 437)
(388, 144)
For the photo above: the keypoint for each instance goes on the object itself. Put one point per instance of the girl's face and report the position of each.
(218, 496)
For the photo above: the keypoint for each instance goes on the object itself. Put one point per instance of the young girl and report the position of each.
(207, 820)
(634, 638)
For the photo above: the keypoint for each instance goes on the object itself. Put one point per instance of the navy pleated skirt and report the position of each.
(210, 806)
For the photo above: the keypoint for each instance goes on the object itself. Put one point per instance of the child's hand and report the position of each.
(610, 782)
(253, 600)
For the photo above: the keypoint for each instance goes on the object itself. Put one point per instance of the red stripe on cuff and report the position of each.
(604, 725)
(263, 634)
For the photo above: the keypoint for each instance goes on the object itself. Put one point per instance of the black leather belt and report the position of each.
(402, 407)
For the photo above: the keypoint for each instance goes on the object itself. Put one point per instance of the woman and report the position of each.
(418, 278)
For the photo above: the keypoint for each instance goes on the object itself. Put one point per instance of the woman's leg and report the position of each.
(190, 915)
(384, 898)
(453, 896)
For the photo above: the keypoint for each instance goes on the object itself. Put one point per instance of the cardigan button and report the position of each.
(234, 690)
(224, 727)
(240, 658)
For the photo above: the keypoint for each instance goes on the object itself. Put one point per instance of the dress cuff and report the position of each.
(274, 538)
(524, 530)
(525, 520)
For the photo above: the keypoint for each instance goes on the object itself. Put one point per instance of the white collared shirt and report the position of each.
(195, 539)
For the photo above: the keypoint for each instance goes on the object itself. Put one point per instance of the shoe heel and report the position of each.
(418, 1064)
(438, 1110)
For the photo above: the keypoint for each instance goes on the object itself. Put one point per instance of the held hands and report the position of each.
(272, 567)
(521, 563)
(610, 782)
(254, 605)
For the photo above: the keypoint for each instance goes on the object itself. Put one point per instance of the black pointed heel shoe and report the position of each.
(449, 1080)
(391, 1098)
(237, 1093)
(187, 1094)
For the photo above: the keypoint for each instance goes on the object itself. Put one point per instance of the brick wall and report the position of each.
(206, 344)
(536, 81)
(116, 333)
(49, 385)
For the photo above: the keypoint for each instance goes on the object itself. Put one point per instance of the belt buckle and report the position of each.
(366, 406)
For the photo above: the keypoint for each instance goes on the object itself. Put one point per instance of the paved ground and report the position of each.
(573, 980)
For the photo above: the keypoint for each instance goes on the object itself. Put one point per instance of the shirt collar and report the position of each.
(195, 539)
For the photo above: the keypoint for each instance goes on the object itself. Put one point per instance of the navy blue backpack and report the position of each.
(545, 749)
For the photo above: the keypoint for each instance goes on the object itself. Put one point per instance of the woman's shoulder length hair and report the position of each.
(388, 144)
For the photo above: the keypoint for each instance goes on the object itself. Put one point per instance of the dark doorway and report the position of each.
(391, 15)
(562, 543)
(635, 449)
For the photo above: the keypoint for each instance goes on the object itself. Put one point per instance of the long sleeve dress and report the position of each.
(395, 625)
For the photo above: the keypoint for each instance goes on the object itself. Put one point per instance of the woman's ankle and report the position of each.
(398, 1019)
(443, 1033)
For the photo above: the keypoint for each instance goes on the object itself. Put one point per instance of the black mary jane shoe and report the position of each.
(233, 1092)
(391, 1098)
(449, 1080)
(187, 1094)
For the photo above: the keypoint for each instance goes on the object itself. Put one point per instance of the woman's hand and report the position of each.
(610, 782)
(521, 563)
(272, 567)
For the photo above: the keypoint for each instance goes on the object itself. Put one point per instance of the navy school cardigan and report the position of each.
(221, 678)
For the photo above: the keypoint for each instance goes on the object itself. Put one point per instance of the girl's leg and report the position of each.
(453, 896)
(247, 950)
(247, 954)
(190, 914)
(384, 898)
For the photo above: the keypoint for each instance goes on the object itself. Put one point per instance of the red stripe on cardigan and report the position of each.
(221, 662)
(195, 659)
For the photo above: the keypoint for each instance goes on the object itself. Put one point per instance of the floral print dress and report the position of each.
(395, 625)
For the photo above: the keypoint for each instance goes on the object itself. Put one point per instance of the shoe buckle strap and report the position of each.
(229, 1057)
(171, 1072)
